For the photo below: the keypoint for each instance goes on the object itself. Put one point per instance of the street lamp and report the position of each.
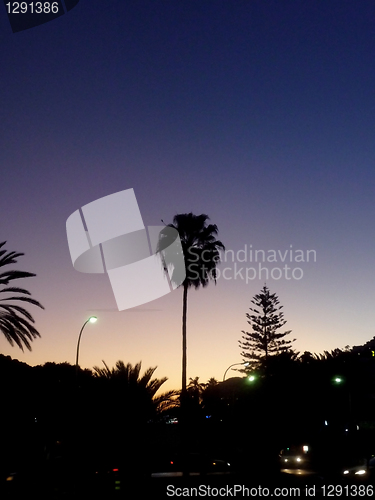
(92, 319)
(245, 363)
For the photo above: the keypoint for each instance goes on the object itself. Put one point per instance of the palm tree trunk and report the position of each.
(183, 402)
(184, 344)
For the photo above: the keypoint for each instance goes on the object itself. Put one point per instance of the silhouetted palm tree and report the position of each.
(15, 321)
(201, 253)
(127, 379)
(212, 382)
(195, 389)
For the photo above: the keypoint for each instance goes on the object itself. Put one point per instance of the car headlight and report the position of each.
(360, 472)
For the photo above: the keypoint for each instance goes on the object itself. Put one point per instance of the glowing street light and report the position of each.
(92, 319)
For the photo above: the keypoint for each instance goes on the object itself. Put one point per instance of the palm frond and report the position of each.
(15, 289)
(17, 330)
(24, 299)
(166, 401)
(13, 275)
(11, 308)
(15, 321)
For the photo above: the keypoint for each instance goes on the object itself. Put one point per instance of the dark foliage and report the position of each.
(16, 323)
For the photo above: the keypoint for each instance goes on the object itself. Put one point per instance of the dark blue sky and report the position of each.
(258, 113)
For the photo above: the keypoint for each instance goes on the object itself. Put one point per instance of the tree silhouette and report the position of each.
(265, 340)
(195, 389)
(212, 382)
(201, 253)
(139, 390)
(15, 320)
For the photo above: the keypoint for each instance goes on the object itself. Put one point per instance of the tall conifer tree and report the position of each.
(265, 340)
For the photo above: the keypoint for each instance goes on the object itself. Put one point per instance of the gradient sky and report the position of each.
(258, 113)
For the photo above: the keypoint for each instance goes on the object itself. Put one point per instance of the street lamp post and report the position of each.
(245, 363)
(92, 319)
(342, 381)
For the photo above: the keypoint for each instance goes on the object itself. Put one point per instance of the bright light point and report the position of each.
(360, 472)
(298, 459)
(305, 448)
(285, 460)
(325, 422)
(251, 378)
(338, 380)
(346, 472)
(93, 319)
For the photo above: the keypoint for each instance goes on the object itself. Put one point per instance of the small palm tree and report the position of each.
(195, 389)
(212, 382)
(127, 378)
(15, 321)
(201, 253)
